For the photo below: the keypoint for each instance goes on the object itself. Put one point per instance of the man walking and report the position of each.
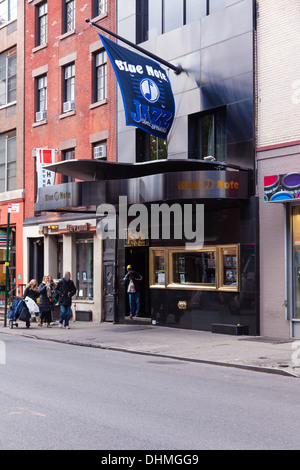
(65, 289)
(132, 283)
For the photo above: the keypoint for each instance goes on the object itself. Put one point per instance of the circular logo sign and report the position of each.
(149, 90)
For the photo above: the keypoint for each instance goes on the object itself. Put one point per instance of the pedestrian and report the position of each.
(65, 290)
(133, 287)
(46, 302)
(54, 300)
(32, 291)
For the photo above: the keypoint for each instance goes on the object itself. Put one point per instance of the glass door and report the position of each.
(296, 261)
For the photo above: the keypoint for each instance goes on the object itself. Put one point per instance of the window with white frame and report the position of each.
(100, 76)
(8, 77)
(41, 97)
(8, 11)
(69, 16)
(8, 161)
(69, 87)
(41, 24)
(99, 7)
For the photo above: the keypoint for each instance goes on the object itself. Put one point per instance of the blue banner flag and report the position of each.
(146, 90)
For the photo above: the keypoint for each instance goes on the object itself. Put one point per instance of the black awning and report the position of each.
(97, 170)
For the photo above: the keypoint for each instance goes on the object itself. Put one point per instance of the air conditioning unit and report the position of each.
(68, 106)
(100, 151)
(40, 115)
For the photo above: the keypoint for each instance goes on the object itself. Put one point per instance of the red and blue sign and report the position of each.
(146, 90)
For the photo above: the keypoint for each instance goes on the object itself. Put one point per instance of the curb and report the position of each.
(268, 370)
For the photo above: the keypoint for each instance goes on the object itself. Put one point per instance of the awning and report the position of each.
(193, 185)
(99, 170)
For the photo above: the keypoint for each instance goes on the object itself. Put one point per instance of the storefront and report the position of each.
(282, 191)
(189, 283)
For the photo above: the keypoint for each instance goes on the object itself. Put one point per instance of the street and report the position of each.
(58, 396)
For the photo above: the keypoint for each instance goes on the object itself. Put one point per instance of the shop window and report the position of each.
(84, 272)
(228, 273)
(296, 261)
(158, 274)
(211, 268)
(193, 268)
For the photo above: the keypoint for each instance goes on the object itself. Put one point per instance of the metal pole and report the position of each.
(177, 68)
(6, 265)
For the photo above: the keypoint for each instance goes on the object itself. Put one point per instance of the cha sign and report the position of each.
(146, 90)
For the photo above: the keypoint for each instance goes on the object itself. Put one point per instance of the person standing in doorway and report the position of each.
(65, 290)
(133, 288)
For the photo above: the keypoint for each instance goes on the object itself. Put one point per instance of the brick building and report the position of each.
(278, 164)
(11, 136)
(70, 110)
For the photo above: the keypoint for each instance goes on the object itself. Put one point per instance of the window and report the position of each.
(8, 77)
(156, 17)
(41, 98)
(8, 161)
(99, 7)
(211, 268)
(69, 16)
(296, 261)
(207, 135)
(8, 11)
(69, 88)
(100, 76)
(100, 150)
(84, 261)
(197, 267)
(68, 155)
(41, 24)
(149, 147)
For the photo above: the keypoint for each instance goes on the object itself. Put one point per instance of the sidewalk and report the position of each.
(277, 356)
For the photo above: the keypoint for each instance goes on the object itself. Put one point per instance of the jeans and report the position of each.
(65, 312)
(134, 303)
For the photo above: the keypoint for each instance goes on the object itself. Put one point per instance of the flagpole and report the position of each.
(177, 68)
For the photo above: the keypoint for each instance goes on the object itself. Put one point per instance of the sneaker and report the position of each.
(67, 327)
(59, 325)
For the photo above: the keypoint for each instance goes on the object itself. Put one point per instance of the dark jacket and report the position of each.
(45, 304)
(136, 277)
(33, 294)
(64, 291)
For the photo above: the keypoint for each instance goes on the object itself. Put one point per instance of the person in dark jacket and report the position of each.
(32, 291)
(46, 303)
(133, 287)
(65, 290)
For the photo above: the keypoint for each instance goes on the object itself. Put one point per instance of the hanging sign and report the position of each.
(44, 176)
(146, 90)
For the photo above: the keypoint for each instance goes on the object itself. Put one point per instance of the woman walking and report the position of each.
(45, 291)
(32, 291)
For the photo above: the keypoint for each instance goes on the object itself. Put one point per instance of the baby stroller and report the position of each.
(18, 311)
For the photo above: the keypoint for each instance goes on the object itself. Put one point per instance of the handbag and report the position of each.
(54, 300)
(131, 287)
